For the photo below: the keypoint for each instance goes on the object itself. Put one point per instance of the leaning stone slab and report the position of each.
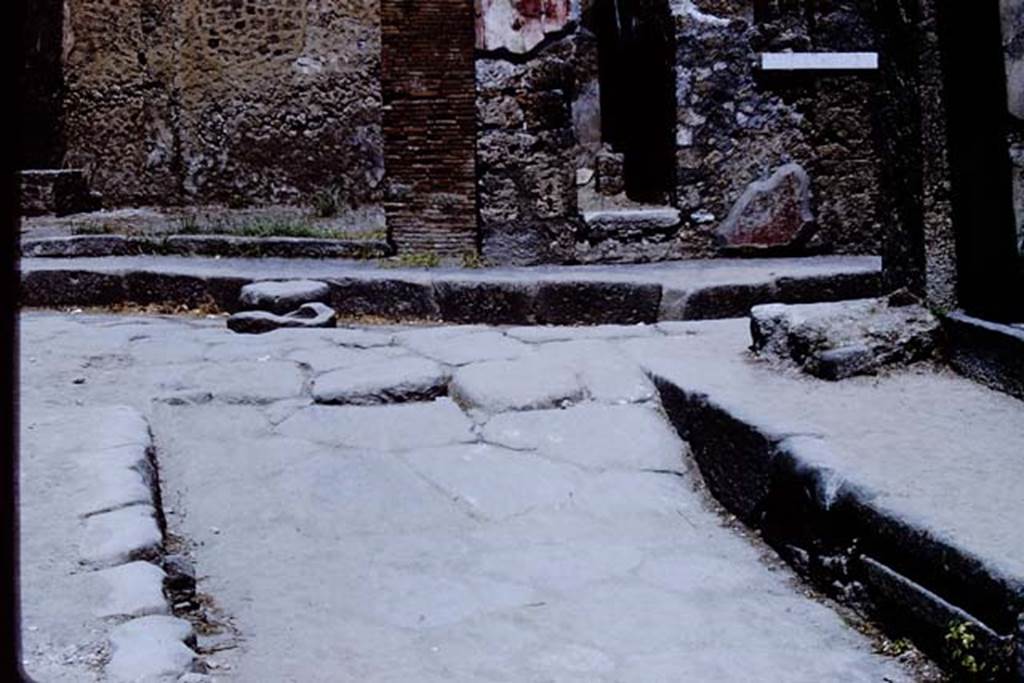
(150, 648)
(312, 315)
(282, 296)
(387, 381)
(771, 213)
(838, 340)
(135, 589)
(120, 536)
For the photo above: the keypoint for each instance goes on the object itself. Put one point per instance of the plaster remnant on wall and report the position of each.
(518, 25)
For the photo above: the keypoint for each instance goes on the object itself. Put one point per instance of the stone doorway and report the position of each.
(637, 85)
(625, 117)
(40, 83)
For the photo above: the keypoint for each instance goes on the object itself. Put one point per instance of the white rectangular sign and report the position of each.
(819, 61)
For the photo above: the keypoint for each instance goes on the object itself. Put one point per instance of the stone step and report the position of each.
(219, 246)
(55, 191)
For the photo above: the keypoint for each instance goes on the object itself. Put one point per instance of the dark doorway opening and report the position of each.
(636, 56)
(40, 86)
(989, 264)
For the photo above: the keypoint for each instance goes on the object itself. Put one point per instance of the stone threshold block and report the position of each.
(839, 340)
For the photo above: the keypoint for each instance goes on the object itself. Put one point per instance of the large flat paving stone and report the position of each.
(460, 346)
(257, 381)
(607, 374)
(528, 384)
(496, 483)
(389, 381)
(323, 358)
(385, 428)
(593, 435)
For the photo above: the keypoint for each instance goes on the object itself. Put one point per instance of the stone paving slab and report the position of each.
(619, 294)
(418, 542)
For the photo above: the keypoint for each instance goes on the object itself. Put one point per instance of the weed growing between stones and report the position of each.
(326, 203)
(413, 259)
(967, 656)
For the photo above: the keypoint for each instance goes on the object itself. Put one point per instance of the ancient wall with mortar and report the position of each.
(779, 144)
(765, 164)
(429, 125)
(224, 101)
(525, 73)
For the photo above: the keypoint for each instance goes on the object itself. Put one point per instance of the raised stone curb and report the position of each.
(688, 290)
(987, 352)
(831, 531)
(224, 246)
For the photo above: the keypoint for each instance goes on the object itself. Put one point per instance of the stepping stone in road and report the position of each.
(308, 315)
(282, 296)
(388, 381)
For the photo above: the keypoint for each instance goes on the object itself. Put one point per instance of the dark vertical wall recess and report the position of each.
(636, 52)
(40, 86)
(972, 60)
(429, 90)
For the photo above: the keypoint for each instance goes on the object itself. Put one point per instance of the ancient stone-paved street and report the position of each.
(402, 504)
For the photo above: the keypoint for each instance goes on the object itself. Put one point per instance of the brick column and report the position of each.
(429, 89)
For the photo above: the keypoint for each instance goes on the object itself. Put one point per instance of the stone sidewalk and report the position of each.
(396, 504)
(559, 295)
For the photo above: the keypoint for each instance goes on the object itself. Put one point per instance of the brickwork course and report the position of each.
(429, 124)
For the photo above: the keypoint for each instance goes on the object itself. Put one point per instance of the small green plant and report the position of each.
(895, 648)
(94, 229)
(416, 259)
(968, 656)
(326, 203)
(472, 259)
(188, 224)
